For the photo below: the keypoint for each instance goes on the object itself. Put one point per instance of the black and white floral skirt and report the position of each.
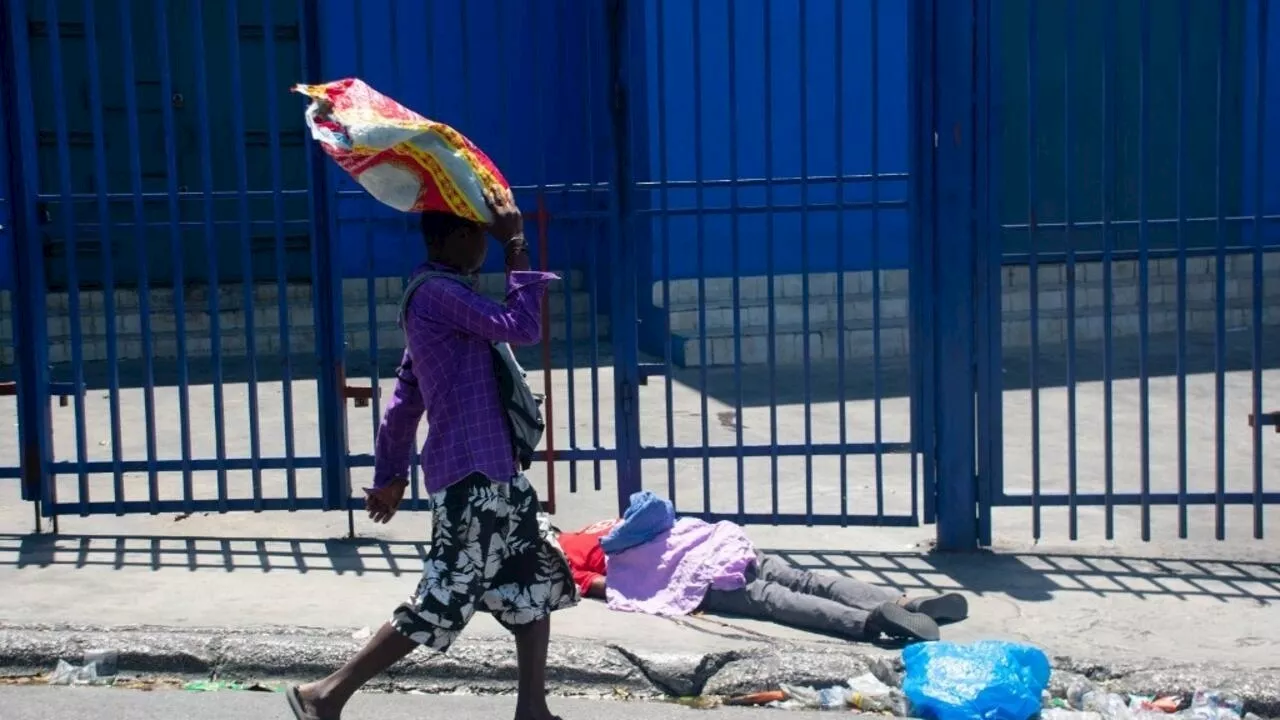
(489, 551)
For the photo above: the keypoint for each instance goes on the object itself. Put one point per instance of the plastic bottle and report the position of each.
(1082, 695)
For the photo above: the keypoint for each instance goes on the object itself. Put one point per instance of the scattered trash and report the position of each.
(990, 679)
(1165, 705)
(227, 685)
(67, 674)
(758, 698)
(1214, 705)
(699, 702)
(865, 693)
(1068, 714)
(1083, 696)
(104, 661)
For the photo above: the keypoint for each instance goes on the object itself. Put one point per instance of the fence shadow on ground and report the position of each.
(1037, 577)
(1028, 577)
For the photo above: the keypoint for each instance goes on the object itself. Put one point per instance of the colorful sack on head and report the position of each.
(404, 160)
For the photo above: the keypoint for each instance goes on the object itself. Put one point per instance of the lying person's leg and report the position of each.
(770, 601)
(950, 607)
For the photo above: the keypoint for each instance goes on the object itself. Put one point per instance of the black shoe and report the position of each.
(950, 607)
(900, 623)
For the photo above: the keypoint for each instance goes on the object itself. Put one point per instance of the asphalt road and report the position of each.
(46, 703)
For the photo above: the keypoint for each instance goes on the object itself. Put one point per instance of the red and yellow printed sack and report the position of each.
(401, 158)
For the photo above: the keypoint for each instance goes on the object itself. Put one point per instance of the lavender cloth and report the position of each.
(447, 373)
(671, 574)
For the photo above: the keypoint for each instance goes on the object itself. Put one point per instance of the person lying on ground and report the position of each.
(487, 552)
(770, 590)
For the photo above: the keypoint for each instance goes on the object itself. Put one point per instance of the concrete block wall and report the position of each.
(233, 316)
(688, 315)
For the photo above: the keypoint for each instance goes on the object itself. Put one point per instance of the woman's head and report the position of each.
(453, 241)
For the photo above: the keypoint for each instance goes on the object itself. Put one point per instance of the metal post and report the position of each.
(626, 375)
(954, 243)
(335, 475)
(35, 421)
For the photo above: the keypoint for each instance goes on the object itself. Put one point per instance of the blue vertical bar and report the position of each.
(71, 242)
(664, 240)
(876, 285)
(176, 244)
(1259, 173)
(335, 476)
(988, 265)
(567, 286)
(625, 340)
(842, 402)
(736, 260)
(247, 281)
(143, 255)
(1144, 252)
(1073, 514)
(921, 78)
(277, 222)
(1184, 73)
(1220, 281)
(1033, 266)
(954, 310)
(988, 256)
(804, 258)
(700, 241)
(30, 322)
(213, 284)
(415, 492)
(367, 220)
(108, 254)
(768, 249)
(591, 97)
(1108, 242)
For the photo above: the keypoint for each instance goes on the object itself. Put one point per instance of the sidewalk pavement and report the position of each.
(285, 595)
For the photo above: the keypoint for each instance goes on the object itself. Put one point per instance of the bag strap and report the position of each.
(418, 281)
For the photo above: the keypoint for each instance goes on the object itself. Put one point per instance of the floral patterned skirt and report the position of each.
(489, 551)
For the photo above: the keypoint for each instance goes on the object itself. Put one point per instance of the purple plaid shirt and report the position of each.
(447, 372)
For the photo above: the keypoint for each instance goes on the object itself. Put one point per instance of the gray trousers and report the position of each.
(823, 603)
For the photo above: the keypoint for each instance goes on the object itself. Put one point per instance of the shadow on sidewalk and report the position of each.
(1039, 577)
(1028, 577)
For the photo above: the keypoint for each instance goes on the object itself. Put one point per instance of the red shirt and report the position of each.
(586, 557)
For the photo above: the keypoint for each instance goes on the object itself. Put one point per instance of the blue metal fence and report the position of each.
(812, 250)
(1131, 266)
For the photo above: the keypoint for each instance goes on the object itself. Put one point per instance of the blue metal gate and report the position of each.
(1129, 267)
(824, 262)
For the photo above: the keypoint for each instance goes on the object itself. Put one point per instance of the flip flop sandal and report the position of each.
(297, 706)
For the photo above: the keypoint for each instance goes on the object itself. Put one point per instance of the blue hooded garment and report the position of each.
(647, 517)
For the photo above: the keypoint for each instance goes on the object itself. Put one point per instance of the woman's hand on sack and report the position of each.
(508, 223)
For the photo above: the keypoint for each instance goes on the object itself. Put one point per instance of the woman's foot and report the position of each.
(308, 703)
(897, 622)
(945, 608)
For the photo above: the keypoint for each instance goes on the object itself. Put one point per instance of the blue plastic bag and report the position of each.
(990, 680)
